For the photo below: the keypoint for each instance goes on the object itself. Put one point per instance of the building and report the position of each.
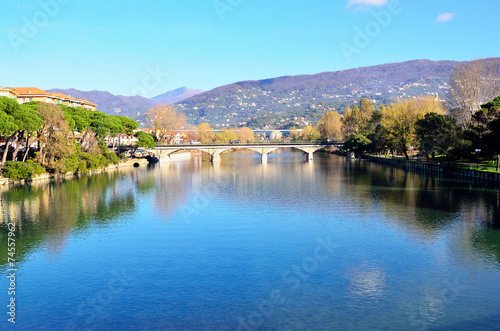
(67, 100)
(87, 105)
(275, 135)
(28, 94)
(8, 92)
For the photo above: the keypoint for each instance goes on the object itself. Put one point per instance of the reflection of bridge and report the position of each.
(215, 150)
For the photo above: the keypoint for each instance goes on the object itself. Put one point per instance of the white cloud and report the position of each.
(445, 17)
(366, 3)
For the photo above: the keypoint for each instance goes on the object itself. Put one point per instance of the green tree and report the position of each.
(436, 133)
(28, 122)
(357, 143)
(487, 124)
(54, 138)
(7, 128)
(144, 140)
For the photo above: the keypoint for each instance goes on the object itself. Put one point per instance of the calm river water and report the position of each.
(287, 245)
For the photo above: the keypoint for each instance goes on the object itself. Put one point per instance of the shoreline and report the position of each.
(7, 182)
(438, 169)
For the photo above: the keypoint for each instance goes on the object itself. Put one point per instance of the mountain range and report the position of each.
(132, 106)
(277, 100)
(289, 100)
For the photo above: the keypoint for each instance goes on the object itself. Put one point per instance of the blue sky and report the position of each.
(150, 47)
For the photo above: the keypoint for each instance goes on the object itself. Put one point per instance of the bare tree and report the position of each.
(472, 84)
(164, 120)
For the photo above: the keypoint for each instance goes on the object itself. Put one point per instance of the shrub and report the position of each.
(22, 170)
(70, 164)
(92, 162)
(112, 157)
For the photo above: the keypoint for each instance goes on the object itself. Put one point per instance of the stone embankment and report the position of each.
(438, 169)
(113, 167)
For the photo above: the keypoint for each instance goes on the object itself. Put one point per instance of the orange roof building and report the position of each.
(28, 94)
(8, 92)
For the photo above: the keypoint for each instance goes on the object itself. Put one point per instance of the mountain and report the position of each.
(280, 99)
(174, 96)
(111, 104)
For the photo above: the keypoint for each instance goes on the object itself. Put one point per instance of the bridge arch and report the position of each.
(263, 149)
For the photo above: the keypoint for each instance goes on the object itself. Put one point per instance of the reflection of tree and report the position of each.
(46, 214)
(423, 205)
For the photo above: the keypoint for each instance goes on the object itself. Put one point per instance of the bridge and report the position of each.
(215, 150)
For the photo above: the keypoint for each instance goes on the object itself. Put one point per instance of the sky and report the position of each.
(149, 47)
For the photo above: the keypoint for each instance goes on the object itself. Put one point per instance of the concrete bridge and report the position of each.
(215, 150)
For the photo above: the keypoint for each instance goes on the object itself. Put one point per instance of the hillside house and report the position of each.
(8, 92)
(29, 94)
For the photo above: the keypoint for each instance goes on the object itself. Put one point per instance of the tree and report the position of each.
(144, 140)
(29, 122)
(436, 133)
(400, 117)
(164, 120)
(357, 119)
(350, 121)
(26, 121)
(310, 133)
(294, 133)
(54, 140)
(230, 135)
(366, 108)
(245, 134)
(472, 84)
(487, 126)
(330, 126)
(206, 133)
(7, 128)
(358, 143)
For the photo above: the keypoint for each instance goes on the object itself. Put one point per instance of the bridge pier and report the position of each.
(263, 149)
(215, 158)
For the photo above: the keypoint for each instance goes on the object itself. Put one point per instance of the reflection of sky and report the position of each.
(366, 281)
(395, 249)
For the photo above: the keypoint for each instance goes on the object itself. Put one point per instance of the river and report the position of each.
(330, 244)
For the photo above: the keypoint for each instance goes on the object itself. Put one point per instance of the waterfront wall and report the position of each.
(438, 169)
(44, 177)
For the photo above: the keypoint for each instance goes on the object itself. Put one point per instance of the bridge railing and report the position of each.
(252, 143)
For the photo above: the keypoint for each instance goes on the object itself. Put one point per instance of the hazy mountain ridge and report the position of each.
(176, 95)
(109, 103)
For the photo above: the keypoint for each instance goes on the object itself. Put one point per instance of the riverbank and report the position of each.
(7, 182)
(438, 169)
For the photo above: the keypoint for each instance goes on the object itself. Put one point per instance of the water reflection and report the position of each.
(47, 214)
(401, 235)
